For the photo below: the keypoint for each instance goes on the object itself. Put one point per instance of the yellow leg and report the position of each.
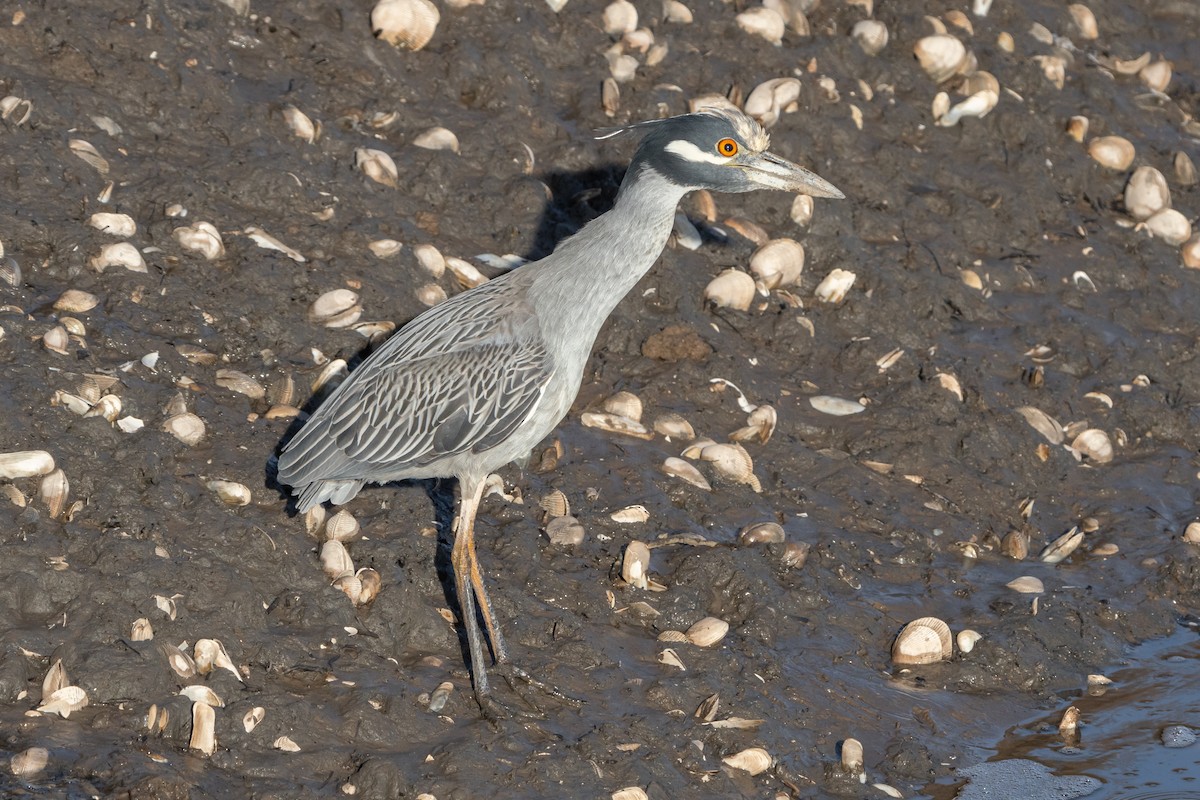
(462, 558)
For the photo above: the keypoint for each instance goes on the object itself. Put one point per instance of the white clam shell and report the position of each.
(765, 22)
(437, 139)
(940, 55)
(1146, 193)
(186, 427)
(732, 462)
(771, 98)
(835, 286)
(405, 23)
(731, 289)
(1062, 547)
(779, 262)
(852, 756)
(1043, 423)
(53, 492)
(1169, 225)
(199, 693)
(707, 632)
(32, 760)
(625, 404)
(118, 254)
(871, 35)
(1095, 445)
(1026, 584)
(204, 728)
(635, 565)
(678, 468)
(1189, 253)
(64, 701)
(1114, 152)
(1085, 21)
(754, 760)
(240, 382)
(231, 493)
(620, 17)
(338, 308)
(115, 224)
(75, 301)
(630, 515)
(252, 717)
(202, 238)
(966, 639)
(25, 464)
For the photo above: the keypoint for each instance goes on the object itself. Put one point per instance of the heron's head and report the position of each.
(720, 149)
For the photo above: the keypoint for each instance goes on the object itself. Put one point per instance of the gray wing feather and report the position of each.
(460, 378)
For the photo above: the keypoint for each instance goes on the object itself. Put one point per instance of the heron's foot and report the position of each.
(514, 674)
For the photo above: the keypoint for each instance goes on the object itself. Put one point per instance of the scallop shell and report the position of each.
(754, 760)
(370, 583)
(405, 23)
(349, 585)
(625, 404)
(707, 632)
(779, 262)
(732, 462)
(923, 641)
(342, 527)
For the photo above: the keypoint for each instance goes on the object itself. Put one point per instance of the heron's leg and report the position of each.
(463, 560)
(499, 650)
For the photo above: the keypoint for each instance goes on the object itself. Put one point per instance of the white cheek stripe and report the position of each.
(689, 152)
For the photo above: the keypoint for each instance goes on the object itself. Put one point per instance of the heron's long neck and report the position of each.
(590, 272)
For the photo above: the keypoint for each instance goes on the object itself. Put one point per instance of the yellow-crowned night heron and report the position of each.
(474, 383)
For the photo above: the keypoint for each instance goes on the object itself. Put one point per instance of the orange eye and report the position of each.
(727, 147)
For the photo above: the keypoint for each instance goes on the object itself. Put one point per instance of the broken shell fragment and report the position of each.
(754, 760)
(231, 493)
(731, 289)
(252, 717)
(210, 654)
(760, 425)
(25, 464)
(1085, 21)
(405, 23)
(64, 701)
(203, 238)
(940, 55)
(89, 154)
(630, 515)
(1043, 423)
(377, 165)
(779, 262)
(1156, 75)
(241, 383)
(923, 641)
(834, 287)
(199, 693)
(141, 630)
(615, 423)
(370, 583)
(55, 678)
(115, 224)
(771, 99)
(1114, 152)
(678, 468)
(967, 639)
(186, 427)
(1062, 547)
(1146, 193)
(707, 632)
(977, 105)
(339, 308)
(301, 125)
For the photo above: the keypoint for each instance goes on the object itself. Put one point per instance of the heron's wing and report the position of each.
(460, 378)
(416, 412)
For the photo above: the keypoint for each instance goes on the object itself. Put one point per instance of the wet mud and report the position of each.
(995, 251)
